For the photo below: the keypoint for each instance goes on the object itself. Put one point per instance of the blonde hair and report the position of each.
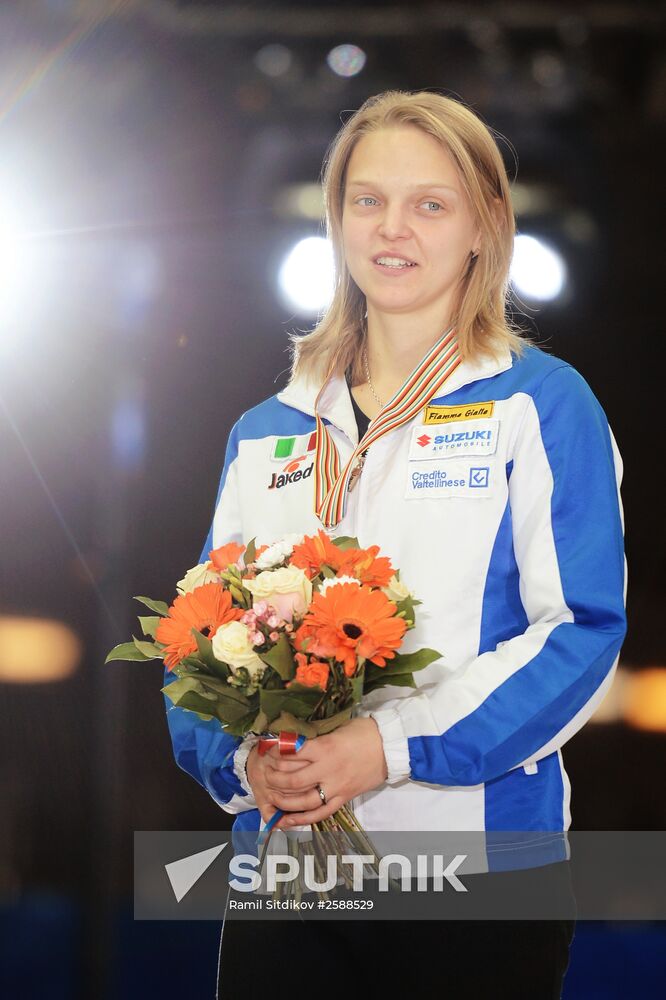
(481, 321)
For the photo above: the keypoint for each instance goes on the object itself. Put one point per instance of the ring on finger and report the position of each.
(322, 795)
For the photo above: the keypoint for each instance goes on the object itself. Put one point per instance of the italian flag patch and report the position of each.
(284, 447)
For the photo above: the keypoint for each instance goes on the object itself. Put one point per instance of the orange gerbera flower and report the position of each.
(366, 567)
(314, 552)
(226, 555)
(349, 620)
(205, 609)
(312, 673)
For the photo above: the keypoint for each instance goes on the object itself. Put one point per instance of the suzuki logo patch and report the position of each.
(455, 440)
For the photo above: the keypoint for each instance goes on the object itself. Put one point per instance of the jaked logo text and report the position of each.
(292, 473)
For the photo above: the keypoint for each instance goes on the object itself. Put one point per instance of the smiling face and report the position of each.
(407, 225)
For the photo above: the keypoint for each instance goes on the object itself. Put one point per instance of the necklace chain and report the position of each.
(369, 380)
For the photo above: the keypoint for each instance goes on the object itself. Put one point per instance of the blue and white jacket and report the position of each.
(506, 522)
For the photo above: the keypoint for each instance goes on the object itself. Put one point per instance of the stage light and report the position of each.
(299, 201)
(548, 69)
(15, 285)
(273, 60)
(37, 650)
(537, 270)
(307, 276)
(346, 60)
(645, 705)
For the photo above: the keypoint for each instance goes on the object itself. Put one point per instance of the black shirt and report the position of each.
(362, 420)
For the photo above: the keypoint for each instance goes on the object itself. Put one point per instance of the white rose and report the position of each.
(278, 552)
(332, 581)
(287, 589)
(197, 577)
(396, 590)
(232, 645)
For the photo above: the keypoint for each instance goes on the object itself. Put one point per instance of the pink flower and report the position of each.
(260, 608)
(258, 639)
(287, 589)
(274, 621)
(274, 636)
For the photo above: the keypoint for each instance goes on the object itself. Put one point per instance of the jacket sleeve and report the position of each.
(214, 758)
(523, 700)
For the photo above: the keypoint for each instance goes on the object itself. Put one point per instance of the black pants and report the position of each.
(460, 959)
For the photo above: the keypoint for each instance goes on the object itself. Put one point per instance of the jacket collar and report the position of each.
(476, 369)
(335, 405)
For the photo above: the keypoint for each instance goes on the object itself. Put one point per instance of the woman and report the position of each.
(488, 473)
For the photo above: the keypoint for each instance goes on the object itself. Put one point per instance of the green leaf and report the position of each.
(398, 671)
(224, 690)
(208, 658)
(410, 662)
(177, 689)
(357, 684)
(250, 553)
(193, 702)
(272, 681)
(260, 723)
(193, 662)
(280, 658)
(298, 699)
(126, 651)
(406, 608)
(149, 624)
(286, 722)
(149, 649)
(196, 695)
(346, 542)
(242, 725)
(159, 606)
(328, 573)
(204, 645)
(231, 712)
(395, 680)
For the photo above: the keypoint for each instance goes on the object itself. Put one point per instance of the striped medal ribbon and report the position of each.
(332, 484)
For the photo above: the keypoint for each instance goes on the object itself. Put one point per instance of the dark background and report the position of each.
(143, 161)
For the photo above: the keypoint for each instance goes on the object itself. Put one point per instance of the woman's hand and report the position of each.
(257, 769)
(343, 763)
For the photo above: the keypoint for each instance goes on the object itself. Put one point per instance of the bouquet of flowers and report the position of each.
(284, 639)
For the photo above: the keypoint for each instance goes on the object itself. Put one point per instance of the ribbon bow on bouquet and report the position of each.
(287, 744)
